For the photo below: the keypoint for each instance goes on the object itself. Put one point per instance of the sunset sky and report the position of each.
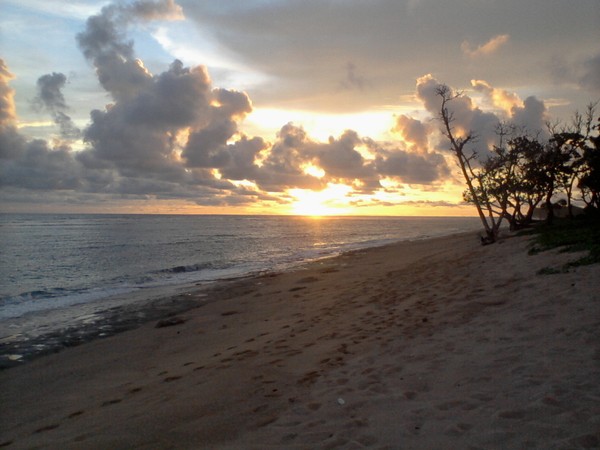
(273, 106)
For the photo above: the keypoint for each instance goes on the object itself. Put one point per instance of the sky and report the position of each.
(311, 107)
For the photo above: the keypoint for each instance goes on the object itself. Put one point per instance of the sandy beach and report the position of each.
(433, 344)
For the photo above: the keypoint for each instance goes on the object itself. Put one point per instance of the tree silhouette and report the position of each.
(589, 181)
(522, 172)
(476, 191)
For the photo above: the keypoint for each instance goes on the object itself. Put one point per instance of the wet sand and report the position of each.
(432, 344)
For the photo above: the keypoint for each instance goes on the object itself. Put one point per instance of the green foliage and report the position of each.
(581, 234)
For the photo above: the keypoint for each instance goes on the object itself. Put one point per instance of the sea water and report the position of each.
(61, 261)
(66, 279)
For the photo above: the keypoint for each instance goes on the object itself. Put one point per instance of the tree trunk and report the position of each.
(549, 209)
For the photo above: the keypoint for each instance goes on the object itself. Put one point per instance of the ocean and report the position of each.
(70, 263)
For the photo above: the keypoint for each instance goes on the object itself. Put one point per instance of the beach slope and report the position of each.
(432, 344)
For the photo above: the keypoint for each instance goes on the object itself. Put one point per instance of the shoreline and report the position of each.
(115, 314)
(438, 343)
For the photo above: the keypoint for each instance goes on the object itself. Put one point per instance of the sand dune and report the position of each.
(432, 344)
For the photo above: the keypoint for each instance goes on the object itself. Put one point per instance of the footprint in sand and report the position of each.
(169, 379)
(515, 414)
(47, 428)
(308, 280)
(459, 429)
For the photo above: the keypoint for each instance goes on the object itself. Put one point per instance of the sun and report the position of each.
(330, 201)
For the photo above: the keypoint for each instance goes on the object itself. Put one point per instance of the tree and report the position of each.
(476, 190)
(524, 172)
(589, 181)
(517, 178)
(570, 158)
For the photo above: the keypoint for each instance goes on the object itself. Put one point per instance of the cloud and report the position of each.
(8, 114)
(467, 116)
(103, 42)
(140, 134)
(11, 142)
(51, 98)
(590, 76)
(353, 80)
(300, 46)
(413, 132)
(530, 114)
(157, 10)
(42, 168)
(486, 49)
(409, 167)
(499, 98)
(282, 167)
(175, 135)
(582, 72)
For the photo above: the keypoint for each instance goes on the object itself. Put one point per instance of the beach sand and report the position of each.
(433, 344)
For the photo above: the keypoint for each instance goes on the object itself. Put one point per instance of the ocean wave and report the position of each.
(186, 268)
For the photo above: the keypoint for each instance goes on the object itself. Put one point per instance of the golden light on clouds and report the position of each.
(220, 113)
(312, 170)
(499, 98)
(486, 49)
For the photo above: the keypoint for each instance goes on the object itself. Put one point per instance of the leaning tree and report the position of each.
(476, 192)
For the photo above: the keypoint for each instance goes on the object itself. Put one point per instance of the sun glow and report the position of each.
(313, 170)
(266, 121)
(328, 202)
